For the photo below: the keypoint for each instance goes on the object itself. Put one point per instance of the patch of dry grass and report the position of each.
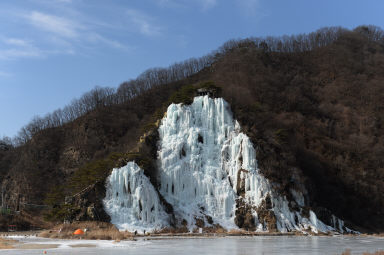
(95, 231)
(348, 252)
(237, 232)
(7, 244)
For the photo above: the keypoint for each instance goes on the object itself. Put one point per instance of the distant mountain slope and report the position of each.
(315, 113)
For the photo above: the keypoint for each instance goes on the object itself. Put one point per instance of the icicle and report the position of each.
(136, 207)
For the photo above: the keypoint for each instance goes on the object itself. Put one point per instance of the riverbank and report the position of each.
(94, 230)
(106, 231)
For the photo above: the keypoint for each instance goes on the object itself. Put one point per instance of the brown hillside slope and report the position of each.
(51, 157)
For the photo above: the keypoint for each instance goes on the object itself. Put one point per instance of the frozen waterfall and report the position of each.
(205, 164)
(132, 201)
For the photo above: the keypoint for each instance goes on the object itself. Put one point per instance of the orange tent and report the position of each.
(78, 232)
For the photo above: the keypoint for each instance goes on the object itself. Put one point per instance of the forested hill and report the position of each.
(313, 105)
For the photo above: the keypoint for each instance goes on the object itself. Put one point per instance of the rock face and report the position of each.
(207, 170)
(87, 205)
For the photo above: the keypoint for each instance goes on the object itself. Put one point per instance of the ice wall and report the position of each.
(205, 164)
(190, 152)
(132, 201)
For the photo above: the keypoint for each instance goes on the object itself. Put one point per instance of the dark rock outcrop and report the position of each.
(87, 205)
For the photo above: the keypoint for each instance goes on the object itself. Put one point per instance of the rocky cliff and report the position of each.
(207, 171)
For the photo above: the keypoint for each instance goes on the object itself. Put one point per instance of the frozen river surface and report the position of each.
(221, 245)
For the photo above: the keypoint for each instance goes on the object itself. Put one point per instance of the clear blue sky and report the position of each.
(52, 51)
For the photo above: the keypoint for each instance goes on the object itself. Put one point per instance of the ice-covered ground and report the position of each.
(36, 245)
(294, 245)
(205, 164)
